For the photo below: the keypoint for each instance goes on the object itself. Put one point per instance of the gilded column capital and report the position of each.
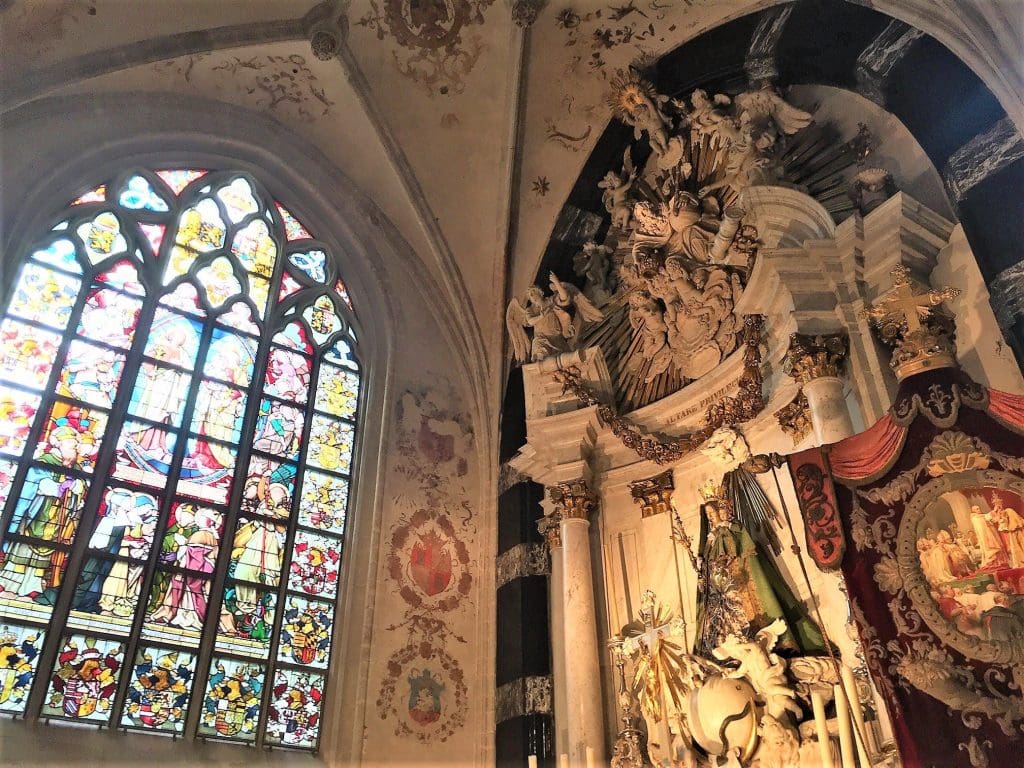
(573, 500)
(816, 356)
(550, 529)
(654, 494)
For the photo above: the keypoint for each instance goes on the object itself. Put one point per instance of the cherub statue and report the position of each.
(616, 191)
(556, 320)
(637, 103)
(769, 116)
(593, 263)
(765, 671)
(708, 119)
(746, 163)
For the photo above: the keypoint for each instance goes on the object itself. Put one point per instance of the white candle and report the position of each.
(850, 684)
(563, 760)
(591, 758)
(821, 728)
(845, 731)
(531, 761)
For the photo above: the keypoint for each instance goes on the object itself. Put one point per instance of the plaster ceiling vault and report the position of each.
(469, 143)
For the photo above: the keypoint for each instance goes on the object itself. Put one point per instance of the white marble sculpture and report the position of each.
(555, 320)
(763, 669)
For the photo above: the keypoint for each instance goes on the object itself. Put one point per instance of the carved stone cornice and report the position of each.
(814, 357)
(550, 528)
(573, 500)
(654, 494)
(795, 418)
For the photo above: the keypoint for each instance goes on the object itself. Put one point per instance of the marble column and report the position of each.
(551, 527)
(816, 363)
(575, 502)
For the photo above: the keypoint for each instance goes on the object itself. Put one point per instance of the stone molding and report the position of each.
(526, 559)
(531, 695)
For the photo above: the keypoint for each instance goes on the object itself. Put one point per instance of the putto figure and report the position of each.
(556, 320)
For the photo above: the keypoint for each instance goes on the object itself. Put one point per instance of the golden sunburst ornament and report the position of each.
(629, 91)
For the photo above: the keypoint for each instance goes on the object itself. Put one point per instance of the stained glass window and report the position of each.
(174, 354)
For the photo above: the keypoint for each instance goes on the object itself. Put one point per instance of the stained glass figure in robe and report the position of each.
(231, 706)
(90, 373)
(17, 412)
(306, 632)
(315, 562)
(26, 353)
(84, 679)
(287, 375)
(230, 357)
(207, 471)
(71, 436)
(269, 487)
(239, 317)
(191, 542)
(257, 553)
(158, 694)
(44, 296)
(294, 713)
(125, 527)
(278, 429)
(173, 339)
(159, 395)
(144, 453)
(295, 336)
(324, 501)
(110, 317)
(20, 647)
(218, 412)
(246, 620)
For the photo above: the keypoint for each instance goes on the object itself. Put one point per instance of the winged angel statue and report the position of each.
(556, 320)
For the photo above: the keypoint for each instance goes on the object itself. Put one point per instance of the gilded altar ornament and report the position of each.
(922, 338)
(556, 320)
(815, 356)
(654, 494)
(550, 528)
(795, 418)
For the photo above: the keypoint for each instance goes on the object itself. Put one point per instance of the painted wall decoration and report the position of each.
(424, 693)
(429, 561)
(434, 46)
(284, 85)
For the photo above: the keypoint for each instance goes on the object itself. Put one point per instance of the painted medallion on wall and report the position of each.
(424, 692)
(429, 562)
(961, 555)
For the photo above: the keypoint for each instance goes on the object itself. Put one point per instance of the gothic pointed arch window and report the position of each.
(179, 386)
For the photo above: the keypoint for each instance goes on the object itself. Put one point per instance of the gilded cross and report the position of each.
(902, 301)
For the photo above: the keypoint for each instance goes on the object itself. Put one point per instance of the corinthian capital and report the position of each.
(550, 529)
(573, 500)
(815, 357)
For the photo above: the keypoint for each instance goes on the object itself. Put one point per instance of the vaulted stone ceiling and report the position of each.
(466, 130)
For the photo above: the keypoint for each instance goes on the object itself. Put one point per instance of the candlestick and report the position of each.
(531, 761)
(850, 684)
(845, 732)
(563, 760)
(821, 728)
(591, 758)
